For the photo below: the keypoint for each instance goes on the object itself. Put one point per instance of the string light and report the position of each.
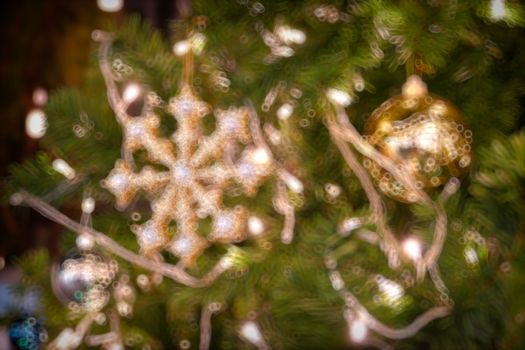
(285, 111)
(251, 332)
(110, 5)
(358, 331)
(280, 39)
(85, 242)
(339, 97)
(131, 92)
(255, 226)
(62, 167)
(412, 248)
(349, 225)
(181, 48)
(39, 96)
(497, 9)
(290, 35)
(390, 290)
(471, 256)
(88, 205)
(260, 156)
(36, 123)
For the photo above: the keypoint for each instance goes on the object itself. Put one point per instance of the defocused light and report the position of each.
(359, 82)
(358, 331)
(290, 35)
(471, 256)
(261, 156)
(294, 184)
(110, 5)
(131, 92)
(62, 167)
(255, 225)
(181, 48)
(251, 332)
(85, 242)
(497, 9)
(40, 97)
(348, 225)
(332, 190)
(36, 123)
(412, 248)
(285, 111)
(392, 291)
(283, 51)
(339, 97)
(88, 205)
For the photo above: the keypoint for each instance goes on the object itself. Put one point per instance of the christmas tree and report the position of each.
(287, 175)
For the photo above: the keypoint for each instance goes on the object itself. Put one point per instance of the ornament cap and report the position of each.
(414, 87)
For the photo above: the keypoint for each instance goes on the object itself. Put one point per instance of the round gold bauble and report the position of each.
(425, 134)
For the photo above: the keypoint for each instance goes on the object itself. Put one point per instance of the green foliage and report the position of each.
(468, 60)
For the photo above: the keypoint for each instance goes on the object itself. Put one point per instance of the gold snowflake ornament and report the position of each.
(199, 169)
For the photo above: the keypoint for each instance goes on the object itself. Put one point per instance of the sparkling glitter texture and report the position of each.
(199, 169)
(424, 133)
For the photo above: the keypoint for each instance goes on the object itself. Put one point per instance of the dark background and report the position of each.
(47, 43)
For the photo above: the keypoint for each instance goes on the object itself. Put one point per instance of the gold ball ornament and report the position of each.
(422, 132)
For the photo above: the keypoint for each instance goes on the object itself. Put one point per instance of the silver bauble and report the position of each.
(81, 280)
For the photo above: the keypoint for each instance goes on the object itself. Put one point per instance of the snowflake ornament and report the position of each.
(200, 169)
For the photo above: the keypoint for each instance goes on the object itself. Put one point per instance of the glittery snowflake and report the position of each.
(199, 170)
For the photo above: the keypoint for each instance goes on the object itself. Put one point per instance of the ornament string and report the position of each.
(170, 271)
(281, 200)
(205, 327)
(71, 339)
(115, 102)
(344, 132)
(374, 198)
(354, 306)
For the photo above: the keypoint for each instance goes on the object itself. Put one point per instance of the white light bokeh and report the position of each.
(358, 331)
(110, 5)
(261, 156)
(131, 92)
(391, 291)
(294, 184)
(85, 242)
(88, 205)
(339, 97)
(39, 97)
(471, 257)
(181, 48)
(62, 167)
(255, 226)
(285, 111)
(497, 9)
(36, 123)
(412, 248)
(251, 332)
(290, 35)
(348, 225)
